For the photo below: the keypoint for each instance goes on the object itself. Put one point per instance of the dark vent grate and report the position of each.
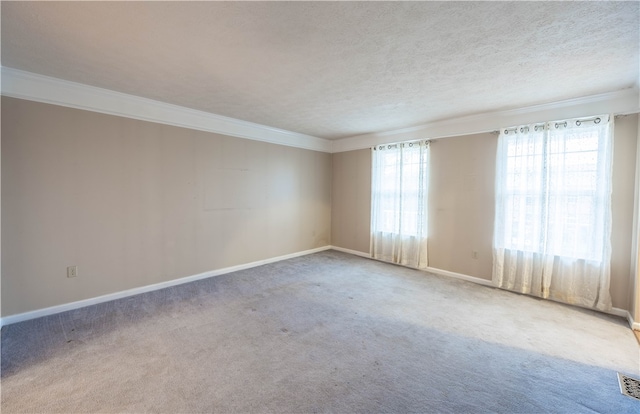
(629, 386)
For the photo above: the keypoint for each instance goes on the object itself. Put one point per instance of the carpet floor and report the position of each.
(328, 332)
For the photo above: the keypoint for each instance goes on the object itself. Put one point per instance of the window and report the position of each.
(399, 202)
(553, 206)
(399, 193)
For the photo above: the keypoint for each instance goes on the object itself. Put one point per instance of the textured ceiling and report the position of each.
(332, 69)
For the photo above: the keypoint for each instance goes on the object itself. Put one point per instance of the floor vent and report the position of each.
(629, 386)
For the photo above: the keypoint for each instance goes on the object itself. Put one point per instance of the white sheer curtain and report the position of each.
(399, 203)
(552, 234)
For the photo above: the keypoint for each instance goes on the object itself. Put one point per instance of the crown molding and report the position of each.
(624, 101)
(30, 86)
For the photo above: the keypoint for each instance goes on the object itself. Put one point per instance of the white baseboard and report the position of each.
(353, 252)
(619, 312)
(468, 278)
(7, 320)
(623, 313)
(626, 314)
(614, 311)
(461, 276)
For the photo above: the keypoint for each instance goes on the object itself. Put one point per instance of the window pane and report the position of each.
(552, 193)
(400, 191)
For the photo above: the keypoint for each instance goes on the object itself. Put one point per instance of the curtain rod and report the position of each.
(419, 142)
(541, 125)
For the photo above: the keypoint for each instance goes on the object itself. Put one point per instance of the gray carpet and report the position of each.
(328, 332)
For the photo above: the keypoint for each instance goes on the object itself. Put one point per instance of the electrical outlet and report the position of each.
(72, 271)
(474, 254)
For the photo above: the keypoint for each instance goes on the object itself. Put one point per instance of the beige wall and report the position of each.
(133, 203)
(461, 204)
(622, 202)
(351, 200)
(634, 275)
